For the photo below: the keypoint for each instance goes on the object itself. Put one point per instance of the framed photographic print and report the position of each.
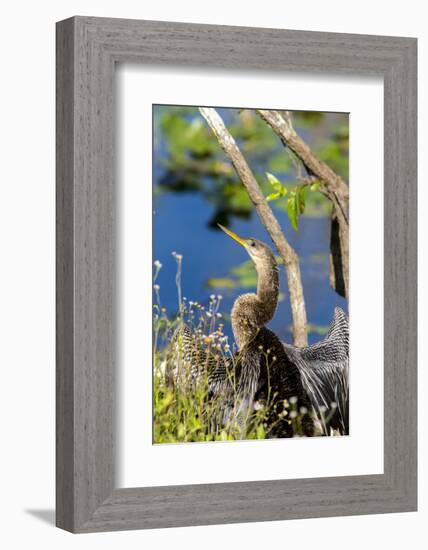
(236, 274)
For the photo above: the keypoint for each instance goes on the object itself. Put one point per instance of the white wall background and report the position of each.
(27, 272)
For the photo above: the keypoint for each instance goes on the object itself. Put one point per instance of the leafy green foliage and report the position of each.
(280, 190)
(296, 197)
(189, 159)
(293, 209)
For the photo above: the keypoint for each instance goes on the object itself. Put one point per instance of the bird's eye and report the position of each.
(252, 243)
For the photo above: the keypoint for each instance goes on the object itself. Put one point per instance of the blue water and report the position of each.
(180, 225)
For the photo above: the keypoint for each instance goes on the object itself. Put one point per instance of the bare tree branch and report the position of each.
(336, 190)
(287, 253)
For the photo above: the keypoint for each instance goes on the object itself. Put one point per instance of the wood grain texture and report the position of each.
(87, 49)
(64, 278)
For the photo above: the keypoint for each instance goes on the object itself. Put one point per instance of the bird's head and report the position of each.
(258, 251)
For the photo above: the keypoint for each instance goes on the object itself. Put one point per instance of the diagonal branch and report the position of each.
(283, 127)
(336, 190)
(287, 253)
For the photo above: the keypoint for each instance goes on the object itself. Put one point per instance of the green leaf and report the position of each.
(301, 199)
(273, 196)
(315, 186)
(292, 210)
(274, 181)
(276, 184)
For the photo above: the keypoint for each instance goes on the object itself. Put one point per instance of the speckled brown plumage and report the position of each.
(279, 377)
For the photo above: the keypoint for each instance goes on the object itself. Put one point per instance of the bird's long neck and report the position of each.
(251, 312)
(268, 289)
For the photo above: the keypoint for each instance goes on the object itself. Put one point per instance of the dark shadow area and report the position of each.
(44, 514)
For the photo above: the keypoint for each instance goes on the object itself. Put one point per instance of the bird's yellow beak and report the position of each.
(233, 235)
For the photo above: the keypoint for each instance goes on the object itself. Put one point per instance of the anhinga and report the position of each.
(315, 378)
(265, 368)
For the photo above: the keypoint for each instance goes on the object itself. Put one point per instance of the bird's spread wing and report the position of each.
(324, 369)
(196, 359)
(222, 374)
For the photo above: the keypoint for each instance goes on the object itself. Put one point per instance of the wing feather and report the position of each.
(324, 369)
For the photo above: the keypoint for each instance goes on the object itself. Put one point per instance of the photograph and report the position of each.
(250, 273)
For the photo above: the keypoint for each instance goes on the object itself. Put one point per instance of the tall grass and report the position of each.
(184, 409)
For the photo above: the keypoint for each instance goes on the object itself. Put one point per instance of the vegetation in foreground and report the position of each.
(183, 408)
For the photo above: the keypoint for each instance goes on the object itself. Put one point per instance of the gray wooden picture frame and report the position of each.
(87, 50)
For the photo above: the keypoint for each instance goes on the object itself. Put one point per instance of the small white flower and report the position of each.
(293, 414)
(157, 264)
(156, 287)
(219, 315)
(293, 400)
